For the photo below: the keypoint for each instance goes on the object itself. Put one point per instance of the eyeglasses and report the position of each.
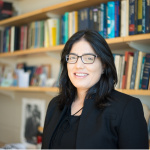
(86, 58)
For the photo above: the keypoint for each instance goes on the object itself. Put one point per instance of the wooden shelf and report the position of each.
(56, 90)
(135, 92)
(30, 89)
(32, 51)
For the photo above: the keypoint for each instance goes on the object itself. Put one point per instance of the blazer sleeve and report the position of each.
(133, 132)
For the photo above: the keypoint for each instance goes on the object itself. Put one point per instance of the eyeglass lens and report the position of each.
(85, 58)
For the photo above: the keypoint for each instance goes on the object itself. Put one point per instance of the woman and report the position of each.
(89, 113)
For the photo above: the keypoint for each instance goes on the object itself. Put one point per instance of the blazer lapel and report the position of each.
(52, 125)
(88, 108)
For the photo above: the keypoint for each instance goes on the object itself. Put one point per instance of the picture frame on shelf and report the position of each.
(33, 113)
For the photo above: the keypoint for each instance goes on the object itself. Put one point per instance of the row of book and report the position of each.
(111, 19)
(133, 70)
(25, 76)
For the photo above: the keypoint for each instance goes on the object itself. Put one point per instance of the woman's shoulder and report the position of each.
(121, 100)
(54, 101)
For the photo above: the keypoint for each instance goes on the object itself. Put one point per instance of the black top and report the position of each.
(65, 135)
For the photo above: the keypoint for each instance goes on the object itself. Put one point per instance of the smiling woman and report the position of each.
(89, 113)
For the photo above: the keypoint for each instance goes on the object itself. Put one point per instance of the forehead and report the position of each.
(82, 47)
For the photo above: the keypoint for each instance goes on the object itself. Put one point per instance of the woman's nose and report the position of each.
(79, 63)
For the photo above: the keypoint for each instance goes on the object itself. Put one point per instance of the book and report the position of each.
(141, 74)
(129, 71)
(147, 17)
(110, 19)
(117, 18)
(12, 38)
(134, 68)
(124, 78)
(146, 72)
(132, 17)
(84, 19)
(121, 71)
(118, 68)
(139, 65)
(103, 20)
(144, 3)
(139, 16)
(6, 10)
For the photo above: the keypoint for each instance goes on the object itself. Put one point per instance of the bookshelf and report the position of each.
(56, 90)
(115, 41)
(60, 9)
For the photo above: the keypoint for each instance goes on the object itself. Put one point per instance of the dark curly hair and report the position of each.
(102, 89)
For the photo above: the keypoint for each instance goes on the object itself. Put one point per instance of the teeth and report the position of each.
(81, 74)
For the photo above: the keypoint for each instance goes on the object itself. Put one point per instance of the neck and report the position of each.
(81, 95)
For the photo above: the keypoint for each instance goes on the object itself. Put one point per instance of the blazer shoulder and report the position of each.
(121, 101)
(122, 97)
(54, 102)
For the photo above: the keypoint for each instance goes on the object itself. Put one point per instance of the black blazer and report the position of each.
(120, 125)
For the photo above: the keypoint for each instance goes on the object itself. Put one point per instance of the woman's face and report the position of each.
(84, 76)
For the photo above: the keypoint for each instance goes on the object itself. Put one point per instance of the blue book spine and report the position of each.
(91, 19)
(146, 72)
(141, 74)
(87, 18)
(134, 68)
(147, 17)
(105, 21)
(4, 41)
(63, 29)
(111, 19)
(101, 31)
(84, 19)
(66, 27)
(117, 18)
(80, 20)
(144, 16)
(131, 17)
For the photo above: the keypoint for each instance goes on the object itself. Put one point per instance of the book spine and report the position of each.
(131, 17)
(129, 72)
(147, 17)
(134, 68)
(117, 18)
(146, 72)
(124, 79)
(139, 65)
(102, 19)
(105, 22)
(111, 19)
(139, 16)
(123, 18)
(143, 16)
(141, 74)
(66, 27)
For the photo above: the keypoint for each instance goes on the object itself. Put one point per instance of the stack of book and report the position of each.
(6, 10)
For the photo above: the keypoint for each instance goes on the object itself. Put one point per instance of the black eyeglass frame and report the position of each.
(95, 56)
